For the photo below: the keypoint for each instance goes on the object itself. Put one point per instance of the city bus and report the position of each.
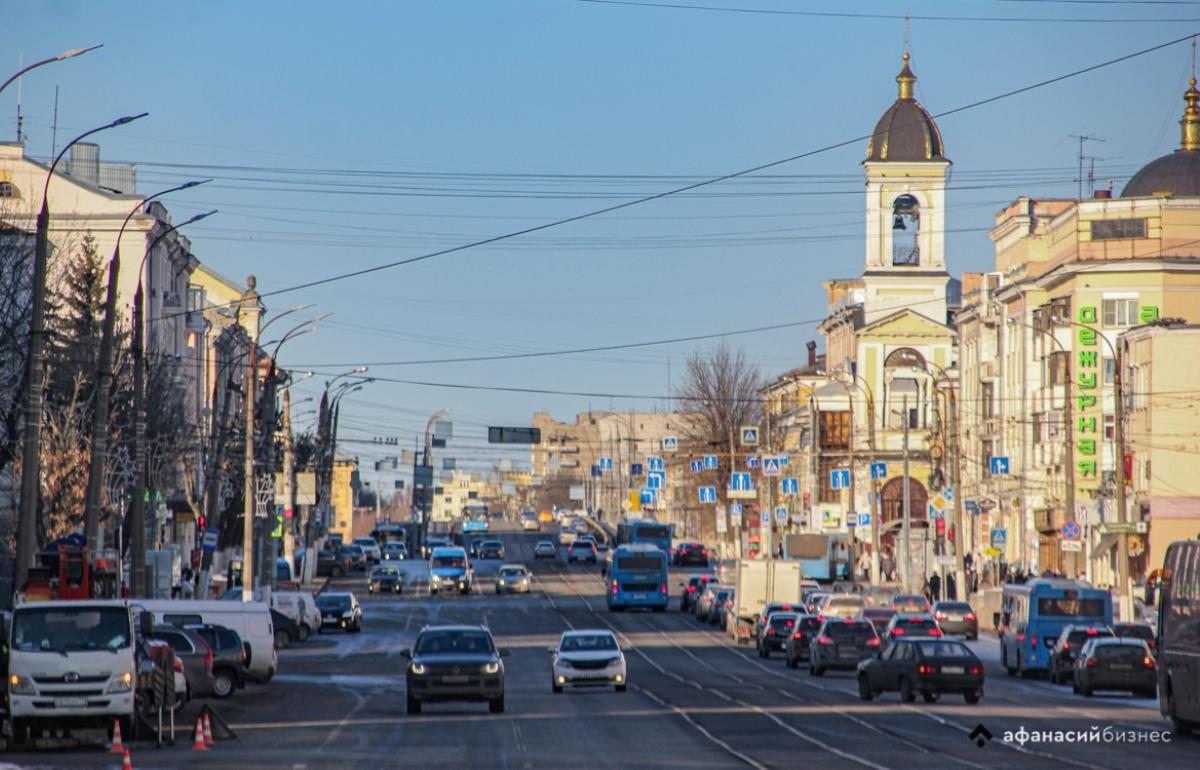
(637, 532)
(637, 577)
(475, 518)
(1179, 636)
(1033, 615)
(824, 557)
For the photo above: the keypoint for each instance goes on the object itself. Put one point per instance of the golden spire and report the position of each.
(906, 78)
(1190, 125)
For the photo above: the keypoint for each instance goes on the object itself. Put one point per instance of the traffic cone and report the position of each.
(208, 739)
(117, 747)
(127, 764)
(198, 739)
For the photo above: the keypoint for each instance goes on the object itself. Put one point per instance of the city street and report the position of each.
(694, 700)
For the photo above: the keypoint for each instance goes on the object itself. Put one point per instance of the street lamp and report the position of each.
(104, 375)
(35, 371)
(137, 512)
(70, 54)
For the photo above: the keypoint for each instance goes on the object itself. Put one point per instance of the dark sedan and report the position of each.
(911, 625)
(196, 656)
(776, 632)
(340, 610)
(1115, 664)
(879, 617)
(455, 663)
(803, 633)
(356, 555)
(956, 618)
(691, 591)
(841, 643)
(492, 549)
(690, 555)
(1137, 630)
(229, 657)
(1067, 646)
(329, 564)
(385, 579)
(926, 666)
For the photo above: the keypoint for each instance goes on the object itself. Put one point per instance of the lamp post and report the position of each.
(34, 371)
(104, 375)
(70, 54)
(952, 451)
(137, 511)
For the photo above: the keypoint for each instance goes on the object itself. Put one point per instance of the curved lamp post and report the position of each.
(71, 54)
(104, 375)
(35, 365)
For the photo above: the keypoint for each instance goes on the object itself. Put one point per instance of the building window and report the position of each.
(195, 298)
(906, 224)
(1053, 426)
(1056, 368)
(9, 190)
(1110, 427)
(834, 429)
(1110, 370)
(1120, 312)
(827, 494)
(988, 394)
(1114, 229)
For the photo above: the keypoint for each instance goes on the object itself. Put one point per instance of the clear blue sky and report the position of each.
(348, 135)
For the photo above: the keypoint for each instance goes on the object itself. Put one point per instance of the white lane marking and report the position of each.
(703, 731)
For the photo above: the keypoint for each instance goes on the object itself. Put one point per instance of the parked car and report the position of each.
(329, 563)
(690, 555)
(587, 658)
(903, 624)
(385, 579)
(455, 663)
(340, 610)
(879, 617)
(144, 698)
(298, 605)
(287, 629)
(776, 633)
(841, 643)
(229, 657)
(370, 548)
(1067, 646)
(356, 555)
(691, 590)
(803, 632)
(581, 550)
(513, 578)
(545, 550)
(395, 552)
(196, 656)
(1115, 663)
(926, 666)
(956, 618)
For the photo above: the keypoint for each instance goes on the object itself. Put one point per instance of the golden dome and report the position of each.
(906, 132)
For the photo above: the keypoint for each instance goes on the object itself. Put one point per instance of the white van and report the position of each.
(252, 621)
(297, 605)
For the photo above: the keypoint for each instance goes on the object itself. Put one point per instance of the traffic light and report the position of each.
(200, 522)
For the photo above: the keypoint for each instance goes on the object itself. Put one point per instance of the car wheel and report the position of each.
(282, 639)
(1087, 691)
(973, 696)
(223, 683)
(304, 632)
(973, 637)
(864, 690)
(20, 731)
(1179, 725)
(792, 662)
(620, 688)
(930, 697)
(1075, 685)
(907, 693)
(414, 705)
(555, 687)
(496, 706)
(818, 671)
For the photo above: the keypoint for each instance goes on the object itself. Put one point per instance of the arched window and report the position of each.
(902, 390)
(906, 223)
(904, 357)
(9, 190)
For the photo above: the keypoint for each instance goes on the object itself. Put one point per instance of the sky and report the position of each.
(347, 136)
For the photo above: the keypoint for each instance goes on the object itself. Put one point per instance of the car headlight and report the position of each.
(121, 683)
(20, 685)
(501, 581)
(491, 668)
(418, 669)
(434, 578)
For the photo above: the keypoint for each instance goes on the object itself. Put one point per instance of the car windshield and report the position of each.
(850, 631)
(470, 642)
(333, 602)
(588, 643)
(943, 650)
(512, 572)
(956, 607)
(449, 561)
(59, 629)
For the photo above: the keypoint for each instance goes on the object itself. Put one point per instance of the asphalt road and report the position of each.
(694, 700)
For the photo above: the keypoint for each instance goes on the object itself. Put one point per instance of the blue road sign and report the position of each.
(707, 494)
(998, 466)
(781, 513)
(879, 470)
(752, 461)
(864, 519)
(771, 466)
(999, 537)
(711, 462)
(852, 519)
(789, 486)
(1071, 531)
(605, 463)
(636, 469)
(741, 482)
(749, 435)
(972, 507)
(649, 496)
(209, 542)
(595, 470)
(654, 463)
(783, 460)
(765, 516)
(656, 480)
(839, 478)
(948, 493)
(697, 466)
(735, 509)
(670, 443)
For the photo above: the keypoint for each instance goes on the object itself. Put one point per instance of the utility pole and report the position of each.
(252, 309)
(906, 572)
(289, 481)
(960, 541)
(137, 511)
(1122, 514)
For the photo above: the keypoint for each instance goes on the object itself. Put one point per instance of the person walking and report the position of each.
(951, 587)
(935, 587)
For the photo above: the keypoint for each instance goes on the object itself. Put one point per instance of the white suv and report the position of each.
(370, 548)
(587, 658)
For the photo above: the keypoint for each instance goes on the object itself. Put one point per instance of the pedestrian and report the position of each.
(951, 587)
(935, 587)
(864, 566)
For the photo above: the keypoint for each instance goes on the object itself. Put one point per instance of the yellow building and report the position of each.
(345, 479)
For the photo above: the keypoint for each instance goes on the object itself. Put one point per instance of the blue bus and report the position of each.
(637, 532)
(637, 577)
(475, 519)
(1033, 615)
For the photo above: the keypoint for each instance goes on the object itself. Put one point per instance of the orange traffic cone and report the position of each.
(198, 739)
(208, 739)
(117, 747)
(127, 764)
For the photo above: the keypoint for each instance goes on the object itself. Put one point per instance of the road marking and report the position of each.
(703, 731)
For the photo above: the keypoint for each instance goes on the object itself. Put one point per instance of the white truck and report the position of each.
(71, 664)
(757, 582)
